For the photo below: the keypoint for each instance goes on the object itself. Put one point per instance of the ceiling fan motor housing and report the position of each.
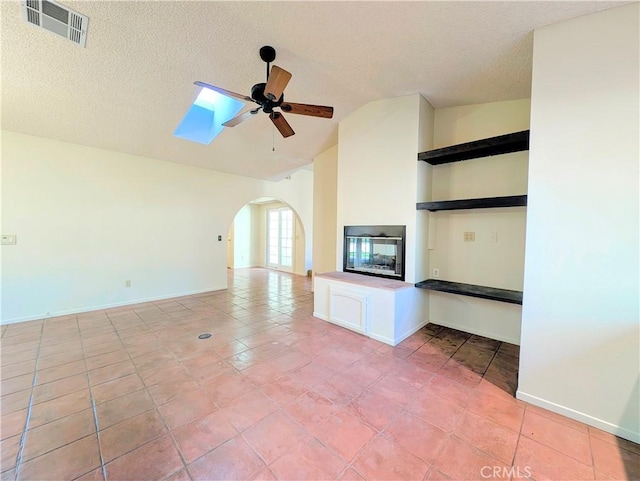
(257, 94)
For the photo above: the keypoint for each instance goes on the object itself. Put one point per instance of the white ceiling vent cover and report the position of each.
(56, 18)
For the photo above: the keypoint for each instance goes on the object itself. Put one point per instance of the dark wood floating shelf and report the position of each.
(492, 293)
(503, 144)
(484, 203)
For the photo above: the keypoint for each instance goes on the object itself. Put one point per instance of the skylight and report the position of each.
(204, 119)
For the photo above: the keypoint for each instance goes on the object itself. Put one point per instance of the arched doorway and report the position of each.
(267, 232)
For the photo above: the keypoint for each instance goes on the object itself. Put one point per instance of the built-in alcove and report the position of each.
(478, 149)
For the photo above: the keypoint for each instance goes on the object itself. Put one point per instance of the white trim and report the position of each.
(579, 416)
(346, 326)
(478, 332)
(411, 331)
(377, 337)
(380, 338)
(108, 306)
(320, 316)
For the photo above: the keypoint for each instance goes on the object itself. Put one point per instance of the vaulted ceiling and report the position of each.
(132, 84)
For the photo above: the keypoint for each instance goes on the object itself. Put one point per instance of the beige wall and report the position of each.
(88, 219)
(483, 262)
(423, 192)
(580, 352)
(325, 185)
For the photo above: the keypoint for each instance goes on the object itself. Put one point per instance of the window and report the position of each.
(203, 122)
(280, 238)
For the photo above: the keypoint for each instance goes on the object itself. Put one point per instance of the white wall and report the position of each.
(580, 324)
(378, 181)
(325, 185)
(483, 262)
(377, 171)
(88, 219)
(244, 238)
(230, 253)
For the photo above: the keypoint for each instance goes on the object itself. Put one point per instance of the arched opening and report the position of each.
(267, 232)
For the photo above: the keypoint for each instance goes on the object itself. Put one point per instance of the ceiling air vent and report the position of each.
(56, 18)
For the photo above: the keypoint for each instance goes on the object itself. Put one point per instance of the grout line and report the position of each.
(95, 420)
(93, 405)
(593, 460)
(515, 452)
(23, 438)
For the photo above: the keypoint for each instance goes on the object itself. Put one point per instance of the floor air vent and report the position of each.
(56, 18)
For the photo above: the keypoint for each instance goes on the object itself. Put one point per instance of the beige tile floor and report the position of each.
(132, 393)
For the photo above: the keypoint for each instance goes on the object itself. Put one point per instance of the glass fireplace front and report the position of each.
(375, 250)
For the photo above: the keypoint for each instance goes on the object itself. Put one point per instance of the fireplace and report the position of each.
(375, 250)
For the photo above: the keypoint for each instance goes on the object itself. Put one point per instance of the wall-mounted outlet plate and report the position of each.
(9, 239)
(435, 273)
(493, 237)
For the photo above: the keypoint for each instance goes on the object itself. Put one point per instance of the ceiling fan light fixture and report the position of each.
(203, 122)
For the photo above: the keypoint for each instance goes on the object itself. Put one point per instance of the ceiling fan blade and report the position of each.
(240, 118)
(278, 80)
(281, 124)
(306, 109)
(228, 93)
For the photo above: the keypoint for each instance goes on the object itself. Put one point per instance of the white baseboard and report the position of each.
(476, 331)
(340, 324)
(384, 339)
(411, 331)
(107, 306)
(579, 416)
(320, 316)
(377, 337)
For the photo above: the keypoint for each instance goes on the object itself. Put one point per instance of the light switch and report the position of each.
(493, 237)
(9, 239)
(469, 236)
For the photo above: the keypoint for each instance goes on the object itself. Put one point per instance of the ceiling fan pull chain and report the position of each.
(273, 138)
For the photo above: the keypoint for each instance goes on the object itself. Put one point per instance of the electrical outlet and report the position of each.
(9, 239)
(436, 273)
(127, 283)
(469, 236)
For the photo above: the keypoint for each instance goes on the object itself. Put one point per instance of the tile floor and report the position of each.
(132, 394)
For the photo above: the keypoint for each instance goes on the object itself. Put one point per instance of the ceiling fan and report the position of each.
(269, 96)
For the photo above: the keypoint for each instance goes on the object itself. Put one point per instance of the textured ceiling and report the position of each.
(132, 84)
